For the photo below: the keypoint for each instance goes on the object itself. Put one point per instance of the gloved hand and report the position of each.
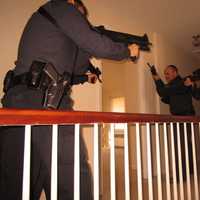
(152, 69)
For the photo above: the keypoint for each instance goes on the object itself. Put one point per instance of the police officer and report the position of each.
(67, 45)
(178, 93)
(175, 93)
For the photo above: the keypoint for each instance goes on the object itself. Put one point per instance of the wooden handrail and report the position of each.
(46, 117)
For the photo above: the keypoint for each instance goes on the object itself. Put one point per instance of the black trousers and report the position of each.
(182, 141)
(12, 149)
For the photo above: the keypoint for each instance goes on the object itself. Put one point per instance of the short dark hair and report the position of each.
(173, 67)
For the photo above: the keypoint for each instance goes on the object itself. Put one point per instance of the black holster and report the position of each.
(57, 87)
(42, 76)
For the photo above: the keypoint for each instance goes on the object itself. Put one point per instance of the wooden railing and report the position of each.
(34, 117)
(153, 124)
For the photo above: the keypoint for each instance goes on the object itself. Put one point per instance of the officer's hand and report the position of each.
(134, 51)
(92, 78)
(153, 72)
(188, 82)
(152, 69)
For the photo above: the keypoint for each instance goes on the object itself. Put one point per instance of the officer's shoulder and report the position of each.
(61, 9)
(61, 6)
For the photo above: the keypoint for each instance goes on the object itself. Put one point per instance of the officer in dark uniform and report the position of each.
(178, 94)
(175, 92)
(66, 47)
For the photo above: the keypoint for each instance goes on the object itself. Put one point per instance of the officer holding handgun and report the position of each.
(178, 93)
(175, 91)
(56, 44)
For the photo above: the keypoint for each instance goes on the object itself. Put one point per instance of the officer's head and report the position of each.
(80, 6)
(170, 72)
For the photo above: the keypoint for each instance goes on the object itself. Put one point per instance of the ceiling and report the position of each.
(178, 20)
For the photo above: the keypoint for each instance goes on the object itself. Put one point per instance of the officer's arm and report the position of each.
(161, 88)
(165, 90)
(76, 26)
(165, 99)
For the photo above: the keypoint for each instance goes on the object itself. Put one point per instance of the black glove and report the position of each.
(152, 69)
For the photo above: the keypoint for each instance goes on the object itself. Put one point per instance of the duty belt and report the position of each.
(41, 76)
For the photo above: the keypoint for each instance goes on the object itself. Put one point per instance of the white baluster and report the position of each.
(96, 162)
(167, 163)
(187, 163)
(180, 163)
(112, 162)
(77, 163)
(158, 162)
(149, 163)
(139, 162)
(54, 163)
(196, 188)
(174, 163)
(126, 163)
(27, 160)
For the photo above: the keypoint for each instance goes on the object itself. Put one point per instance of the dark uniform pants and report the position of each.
(12, 149)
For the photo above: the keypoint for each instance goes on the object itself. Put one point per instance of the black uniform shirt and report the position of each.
(68, 49)
(177, 95)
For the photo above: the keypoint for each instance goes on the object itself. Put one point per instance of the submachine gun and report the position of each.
(125, 38)
(142, 41)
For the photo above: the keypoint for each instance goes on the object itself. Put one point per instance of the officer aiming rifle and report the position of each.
(142, 41)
